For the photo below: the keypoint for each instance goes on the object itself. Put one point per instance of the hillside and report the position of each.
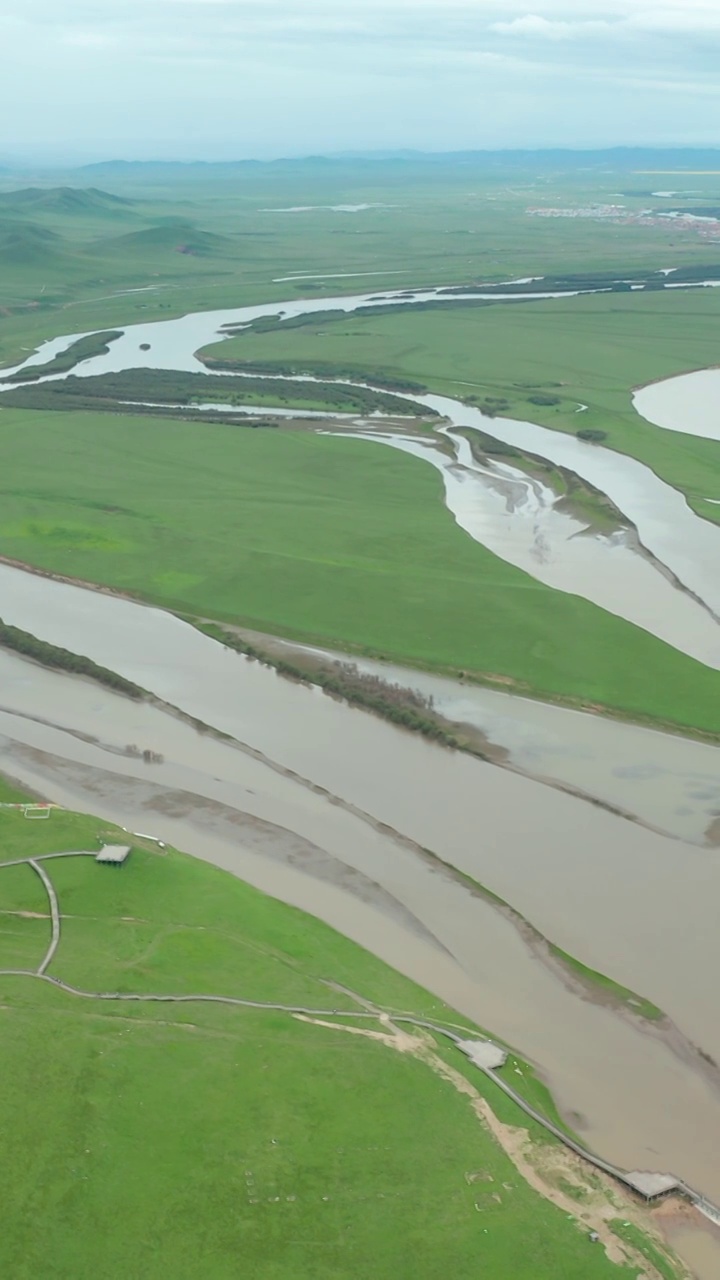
(171, 236)
(72, 201)
(203, 1139)
(26, 244)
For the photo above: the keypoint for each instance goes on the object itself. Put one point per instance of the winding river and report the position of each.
(334, 810)
(673, 591)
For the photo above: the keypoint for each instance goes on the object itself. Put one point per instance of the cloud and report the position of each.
(87, 39)
(534, 26)
(621, 18)
(358, 73)
(675, 21)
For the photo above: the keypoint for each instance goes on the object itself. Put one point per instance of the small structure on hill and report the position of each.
(485, 1054)
(652, 1186)
(113, 855)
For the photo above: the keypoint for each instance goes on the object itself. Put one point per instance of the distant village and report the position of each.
(705, 225)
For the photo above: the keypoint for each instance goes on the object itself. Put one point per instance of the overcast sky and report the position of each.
(222, 79)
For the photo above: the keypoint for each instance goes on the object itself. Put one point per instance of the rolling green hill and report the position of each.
(73, 201)
(211, 1139)
(169, 236)
(26, 244)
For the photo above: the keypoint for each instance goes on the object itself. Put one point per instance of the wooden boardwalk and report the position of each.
(482, 1052)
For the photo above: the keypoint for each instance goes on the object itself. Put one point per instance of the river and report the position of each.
(689, 403)
(331, 808)
(667, 782)
(368, 795)
(675, 595)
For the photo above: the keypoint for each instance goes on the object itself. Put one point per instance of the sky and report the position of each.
(232, 79)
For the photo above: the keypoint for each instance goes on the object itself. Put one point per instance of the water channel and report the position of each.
(689, 403)
(675, 594)
(628, 901)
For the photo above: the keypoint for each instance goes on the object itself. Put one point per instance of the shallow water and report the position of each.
(686, 544)
(517, 518)
(292, 840)
(699, 1248)
(667, 782)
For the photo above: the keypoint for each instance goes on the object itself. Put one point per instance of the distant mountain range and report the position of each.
(615, 158)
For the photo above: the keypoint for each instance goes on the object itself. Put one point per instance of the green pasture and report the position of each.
(66, 262)
(591, 350)
(147, 1140)
(325, 539)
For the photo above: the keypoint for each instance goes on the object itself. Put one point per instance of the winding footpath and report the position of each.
(472, 1048)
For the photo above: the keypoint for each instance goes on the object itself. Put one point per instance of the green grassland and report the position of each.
(322, 539)
(204, 241)
(147, 1140)
(592, 350)
(334, 540)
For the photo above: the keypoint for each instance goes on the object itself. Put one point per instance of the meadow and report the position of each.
(334, 540)
(210, 1140)
(591, 350)
(320, 539)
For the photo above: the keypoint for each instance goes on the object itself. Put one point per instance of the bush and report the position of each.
(593, 434)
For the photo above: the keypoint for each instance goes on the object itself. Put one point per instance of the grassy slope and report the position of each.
(599, 348)
(192, 1138)
(318, 537)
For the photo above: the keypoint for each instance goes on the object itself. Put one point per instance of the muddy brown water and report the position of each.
(668, 782)
(699, 1247)
(323, 809)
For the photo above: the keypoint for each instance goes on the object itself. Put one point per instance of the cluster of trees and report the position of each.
(543, 399)
(51, 655)
(593, 434)
(158, 386)
(95, 344)
(319, 369)
(404, 706)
